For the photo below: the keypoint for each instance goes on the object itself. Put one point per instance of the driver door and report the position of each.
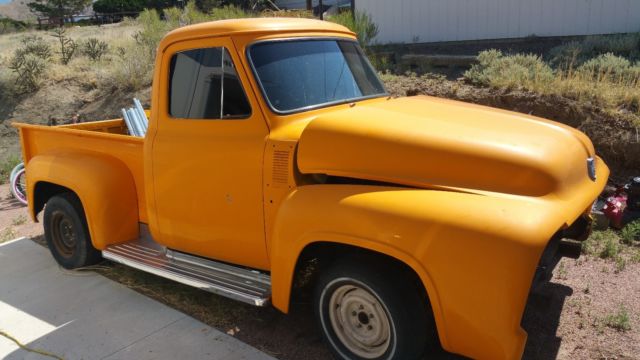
(207, 156)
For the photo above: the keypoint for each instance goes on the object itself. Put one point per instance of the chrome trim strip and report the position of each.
(238, 283)
(591, 168)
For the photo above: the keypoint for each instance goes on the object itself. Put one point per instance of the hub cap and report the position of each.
(63, 233)
(360, 321)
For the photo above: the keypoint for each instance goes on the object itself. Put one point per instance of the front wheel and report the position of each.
(67, 233)
(365, 313)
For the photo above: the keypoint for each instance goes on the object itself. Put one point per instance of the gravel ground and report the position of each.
(573, 317)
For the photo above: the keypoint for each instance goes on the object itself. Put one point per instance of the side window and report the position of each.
(204, 85)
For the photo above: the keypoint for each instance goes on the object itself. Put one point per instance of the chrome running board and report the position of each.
(238, 283)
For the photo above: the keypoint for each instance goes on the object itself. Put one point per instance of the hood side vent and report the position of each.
(280, 171)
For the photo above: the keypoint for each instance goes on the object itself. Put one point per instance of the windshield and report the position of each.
(302, 74)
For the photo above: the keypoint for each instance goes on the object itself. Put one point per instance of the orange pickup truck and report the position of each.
(272, 144)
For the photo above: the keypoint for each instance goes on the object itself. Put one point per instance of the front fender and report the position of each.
(104, 185)
(475, 254)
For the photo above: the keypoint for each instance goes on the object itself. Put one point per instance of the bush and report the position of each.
(515, 71)
(36, 45)
(131, 71)
(595, 243)
(95, 49)
(153, 29)
(208, 5)
(361, 24)
(611, 248)
(575, 53)
(9, 25)
(192, 15)
(6, 166)
(619, 320)
(116, 6)
(228, 12)
(67, 45)
(29, 70)
(29, 63)
(631, 232)
(609, 67)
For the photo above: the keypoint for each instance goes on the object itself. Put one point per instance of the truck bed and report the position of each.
(106, 137)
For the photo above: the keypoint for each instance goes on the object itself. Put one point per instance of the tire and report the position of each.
(15, 171)
(376, 314)
(19, 186)
(67, 233)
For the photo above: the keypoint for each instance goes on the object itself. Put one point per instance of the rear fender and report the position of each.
(104, 185)
(475, 254)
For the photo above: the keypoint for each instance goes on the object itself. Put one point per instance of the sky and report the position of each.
(4, 1)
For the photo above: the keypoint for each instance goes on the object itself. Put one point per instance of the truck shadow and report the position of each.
(9, 203)
(541, 320)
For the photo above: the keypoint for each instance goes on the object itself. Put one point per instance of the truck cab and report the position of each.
(272, 144)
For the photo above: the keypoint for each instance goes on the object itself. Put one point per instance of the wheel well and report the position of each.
(43, 191)
(319, 255)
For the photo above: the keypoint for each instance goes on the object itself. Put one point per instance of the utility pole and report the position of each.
(353, 9)
(309, 5)
(321, 9)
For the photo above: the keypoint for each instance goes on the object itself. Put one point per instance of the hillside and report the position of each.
(17, 10)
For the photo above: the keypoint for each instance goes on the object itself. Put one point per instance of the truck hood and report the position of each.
(430, 142)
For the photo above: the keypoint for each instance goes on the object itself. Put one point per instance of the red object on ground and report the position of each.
(614, 208)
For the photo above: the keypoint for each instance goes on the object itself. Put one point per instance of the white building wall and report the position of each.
(407, 21)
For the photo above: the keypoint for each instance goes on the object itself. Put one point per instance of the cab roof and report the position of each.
(253, 25)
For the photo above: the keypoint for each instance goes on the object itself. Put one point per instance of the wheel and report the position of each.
(19, 186)
(365, 313)
(67, 233)
(15, 171)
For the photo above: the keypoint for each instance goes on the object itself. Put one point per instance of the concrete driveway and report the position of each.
(82, 315)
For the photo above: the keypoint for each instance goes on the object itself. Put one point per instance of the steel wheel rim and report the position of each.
(20, 186)
(360, 321)
(63, 233)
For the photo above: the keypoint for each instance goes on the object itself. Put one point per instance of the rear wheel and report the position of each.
(365, 313)
(67, 234)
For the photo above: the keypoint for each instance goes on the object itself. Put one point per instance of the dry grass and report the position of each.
(608, 81)
(80, 70)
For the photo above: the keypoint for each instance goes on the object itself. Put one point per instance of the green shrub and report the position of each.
(228, 12)
(514, 71)
(95, 49)
(611, 248)
(29, 63)
(208, 5)
(361, 24)
(173, 17)
(67, 45)
(6, 166)
(575, 53)
(29, 70)
(631, 232)
(612, 68)
(192, 15)
(8, 25)
(618, 320)
(621, 263)
(153, 29)
(131, 71)
(116, 6)
(36, 46)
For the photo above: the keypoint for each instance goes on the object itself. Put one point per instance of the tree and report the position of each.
(118, 6)
(58, 9)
